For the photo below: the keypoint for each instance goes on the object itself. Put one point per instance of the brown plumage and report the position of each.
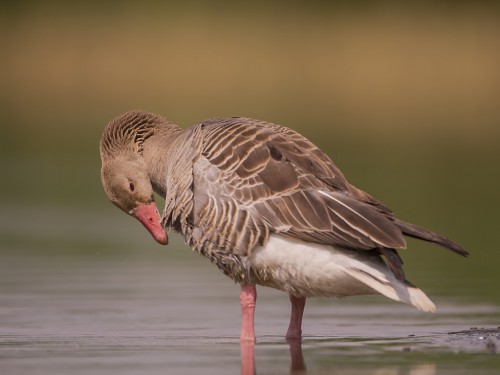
(230, 184)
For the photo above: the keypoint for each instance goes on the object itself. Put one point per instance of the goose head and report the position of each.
(124, 174)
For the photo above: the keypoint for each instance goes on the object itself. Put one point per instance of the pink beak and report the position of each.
(148, 215)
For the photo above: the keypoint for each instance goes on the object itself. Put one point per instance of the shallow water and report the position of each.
(148, 313)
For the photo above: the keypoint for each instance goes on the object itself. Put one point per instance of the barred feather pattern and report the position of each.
(250, 179)
(128, 132)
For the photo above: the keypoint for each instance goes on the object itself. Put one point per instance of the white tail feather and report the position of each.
(395, 289)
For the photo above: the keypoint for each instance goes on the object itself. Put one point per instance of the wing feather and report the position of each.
(253, 178)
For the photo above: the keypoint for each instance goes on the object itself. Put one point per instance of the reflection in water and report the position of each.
(298, 366)
(80, 314)
(247, 357)
(297, 363)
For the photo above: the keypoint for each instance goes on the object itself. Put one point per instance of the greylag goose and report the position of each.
(265, 205)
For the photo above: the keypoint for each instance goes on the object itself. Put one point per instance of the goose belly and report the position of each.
(307, 269)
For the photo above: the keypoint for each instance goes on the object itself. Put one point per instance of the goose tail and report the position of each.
(420, 233)
(389, 286)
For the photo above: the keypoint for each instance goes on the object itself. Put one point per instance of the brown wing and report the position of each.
(254, 178)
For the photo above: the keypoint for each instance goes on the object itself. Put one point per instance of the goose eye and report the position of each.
(131, 186)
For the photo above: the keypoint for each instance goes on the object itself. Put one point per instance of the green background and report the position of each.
(404, 98)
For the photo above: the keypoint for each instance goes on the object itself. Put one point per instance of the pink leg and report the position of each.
(295, 327)
(248, 296)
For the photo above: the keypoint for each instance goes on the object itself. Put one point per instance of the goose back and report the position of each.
(232, 182)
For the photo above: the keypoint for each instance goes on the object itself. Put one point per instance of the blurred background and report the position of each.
(404, 96)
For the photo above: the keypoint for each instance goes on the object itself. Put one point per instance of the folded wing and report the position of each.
(254, 178)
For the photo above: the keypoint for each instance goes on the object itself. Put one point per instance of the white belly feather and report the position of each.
(306, 269)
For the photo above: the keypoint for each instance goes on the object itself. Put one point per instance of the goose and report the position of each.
(265, 205)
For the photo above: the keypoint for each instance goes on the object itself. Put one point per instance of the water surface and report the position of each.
(151, 313)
